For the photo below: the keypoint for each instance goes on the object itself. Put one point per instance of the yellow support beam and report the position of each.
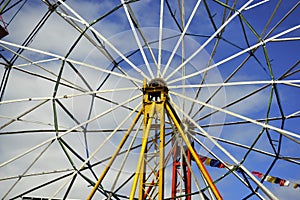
(161, 153)
(193, 153)
(155, 105)
(107, 167)
(140, 165)
(142, 178)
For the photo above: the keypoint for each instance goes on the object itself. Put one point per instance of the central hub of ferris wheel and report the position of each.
(155, 90)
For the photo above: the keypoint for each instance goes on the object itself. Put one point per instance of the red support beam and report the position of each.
(183, 174)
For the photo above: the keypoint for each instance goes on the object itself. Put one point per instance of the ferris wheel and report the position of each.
(137, 99)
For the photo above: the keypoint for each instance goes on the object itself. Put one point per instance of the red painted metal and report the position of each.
(183, 175)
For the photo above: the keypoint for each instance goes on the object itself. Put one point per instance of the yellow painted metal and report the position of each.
(142, 178)
(161, 152)
(107, 167)
(193, 153)
(143, 166)
(155, 105)
(140, 165)
(154, 99)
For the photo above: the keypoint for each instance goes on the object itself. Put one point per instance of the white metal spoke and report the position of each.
(142, 34)
(180, 39)
(293, 114)
(237, 83)
(105, 40)
(100, 47)
(22, 114)
(209, 40)
(38, 64)
(226, 166)
(285, 39)
(92, 155)
(18, 119)
(126, 157)
(67, 132)
(137, 39)
(36, 174)
(27, 169)
(69, 60)
(161, 20)
(34, 62)
(286, 133)
(234, 144)
(257, 4)
(258, 183)
(261, 43)
(66, 96)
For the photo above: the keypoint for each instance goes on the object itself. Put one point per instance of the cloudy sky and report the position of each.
(74, 88)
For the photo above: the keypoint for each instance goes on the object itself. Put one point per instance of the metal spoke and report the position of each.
(180, 40)
(104, 39)
(286, 133)
(137, 39)
(65, 133)
(208, 40)
(68, 60)
(235, 55)
(261, 186)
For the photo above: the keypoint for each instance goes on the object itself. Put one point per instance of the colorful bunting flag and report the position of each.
(258, 174)
(272, 179)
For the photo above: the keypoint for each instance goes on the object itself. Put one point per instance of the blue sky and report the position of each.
(85, 91)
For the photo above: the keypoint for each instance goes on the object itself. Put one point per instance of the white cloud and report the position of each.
(57, 37)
